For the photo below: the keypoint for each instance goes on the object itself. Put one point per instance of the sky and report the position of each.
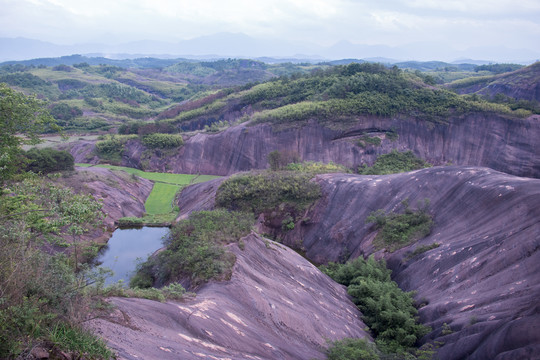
(458, 24)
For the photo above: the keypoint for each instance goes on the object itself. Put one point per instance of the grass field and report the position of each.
(160, 200)
(178, 179)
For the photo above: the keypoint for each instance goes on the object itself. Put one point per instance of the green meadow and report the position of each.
(166, 186)
(161, 198)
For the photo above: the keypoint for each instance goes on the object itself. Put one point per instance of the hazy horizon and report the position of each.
(499, 30)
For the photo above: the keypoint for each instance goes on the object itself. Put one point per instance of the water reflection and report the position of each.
(126, 246)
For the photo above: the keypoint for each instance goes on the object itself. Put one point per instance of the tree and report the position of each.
(22, 118)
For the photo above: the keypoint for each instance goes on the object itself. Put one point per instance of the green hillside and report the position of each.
(334, 97)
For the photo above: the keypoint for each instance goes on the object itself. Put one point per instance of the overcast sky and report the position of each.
(457, 23)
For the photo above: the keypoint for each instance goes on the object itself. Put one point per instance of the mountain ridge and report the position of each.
(242, 45)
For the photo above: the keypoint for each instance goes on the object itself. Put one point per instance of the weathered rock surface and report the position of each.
(489, 140)
(275, 306)
(493, 141)
(198, 197)
(484, 278)
(121, 194)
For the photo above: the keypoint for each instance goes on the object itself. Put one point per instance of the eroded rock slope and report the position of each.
(121, 194)
(483, 280)
(276, 305)
(490, 140)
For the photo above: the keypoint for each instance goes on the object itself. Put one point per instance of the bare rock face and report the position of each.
(198, 197)
(276, 305)
(483, 280)
(82, 151)
(121, 194)
(489, 140)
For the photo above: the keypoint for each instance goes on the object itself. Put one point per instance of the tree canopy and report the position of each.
(22, 118)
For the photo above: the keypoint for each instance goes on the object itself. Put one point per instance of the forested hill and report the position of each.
(334, 97)
(516, 88)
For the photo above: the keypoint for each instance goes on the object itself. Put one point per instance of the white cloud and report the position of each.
(459, 23)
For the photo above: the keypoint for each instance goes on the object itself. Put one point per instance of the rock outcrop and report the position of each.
(483, 280)
(121, 194)
(276, 305)
(493, 141)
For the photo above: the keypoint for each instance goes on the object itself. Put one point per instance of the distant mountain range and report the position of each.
(225, 45)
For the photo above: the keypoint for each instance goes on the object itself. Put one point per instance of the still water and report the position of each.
(126, 246)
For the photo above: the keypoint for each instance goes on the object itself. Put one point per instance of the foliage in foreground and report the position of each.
(387, 310)
(394, 162)
(195, 249)
(41, 294)
(19, 114)
(399, 230)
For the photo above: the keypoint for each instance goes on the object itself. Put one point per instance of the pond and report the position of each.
(125, 247)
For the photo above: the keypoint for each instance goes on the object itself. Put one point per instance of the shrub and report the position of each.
(113, 147)
(279, 159)
(422, 249)
(41, 292)
(399, 230)
(369, 140)
(162, 141)
(48, 160)
(63, 67)
(78, 342)
(352, 349)
(195, 249)
(313, 167)
(386, 309)
(264, 191)
(394, 162)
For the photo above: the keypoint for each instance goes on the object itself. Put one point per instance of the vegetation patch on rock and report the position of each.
(397, 230)
(195, 250)
(257, 192)
(387, 310)
(394, 162)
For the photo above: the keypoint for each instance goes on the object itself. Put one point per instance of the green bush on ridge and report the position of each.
(394, 162)
(162, 141)
(398, 230)
(266, 190)
(195, 249)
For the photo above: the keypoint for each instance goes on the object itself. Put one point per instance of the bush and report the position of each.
(387, 310)
(63, 67)
(313, 167)
(267, 190)
(113, 147)
(394, 162)
(352, 349)
(78, 342)
(162, 141)
(62, 111)
(399, 230)
(369, 140)
(41, 292)
(48, 160)
(195, 249)
(280, 159)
